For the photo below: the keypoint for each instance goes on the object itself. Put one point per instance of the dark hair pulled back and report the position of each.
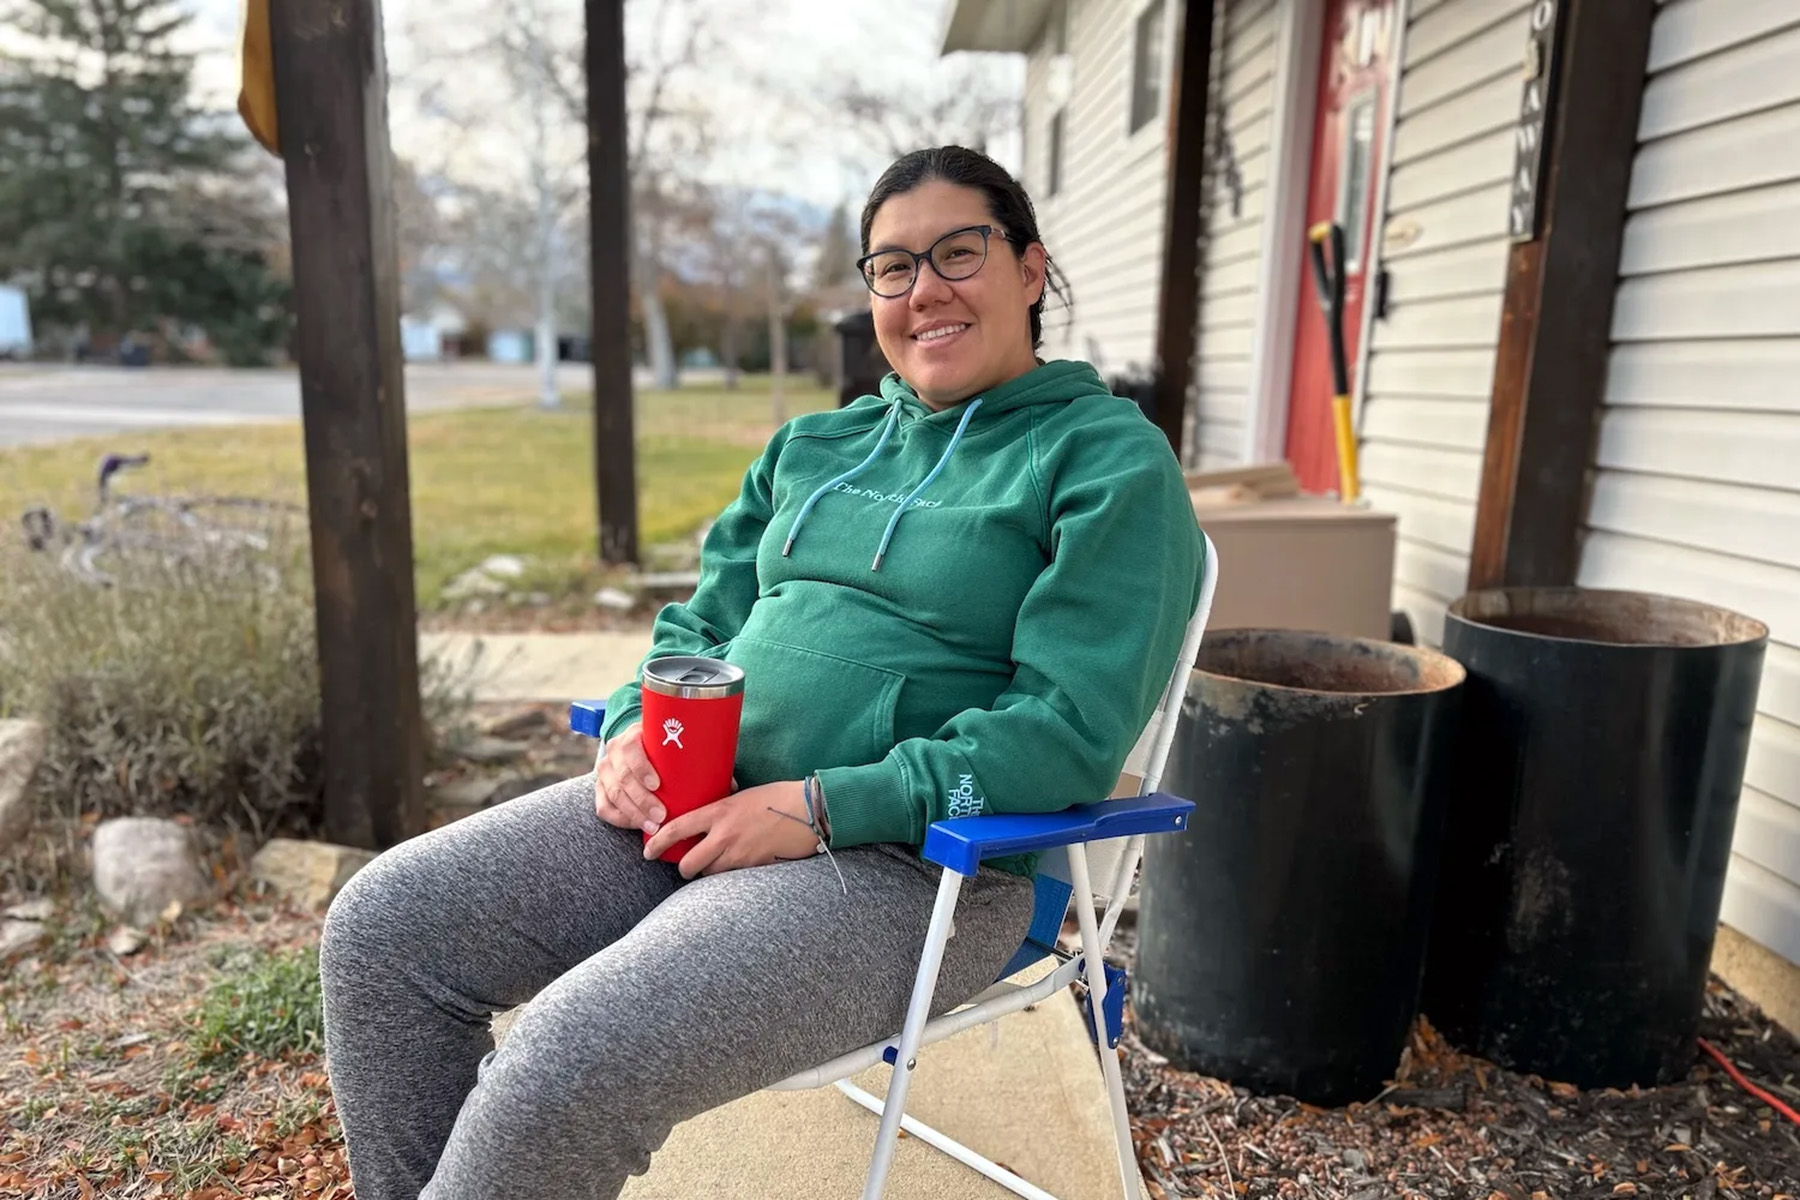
(1007, 203)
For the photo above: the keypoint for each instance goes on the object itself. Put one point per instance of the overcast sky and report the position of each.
(762, 141)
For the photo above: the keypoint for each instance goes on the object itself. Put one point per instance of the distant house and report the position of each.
(1409, 123)
(15, 323)
(434, 333)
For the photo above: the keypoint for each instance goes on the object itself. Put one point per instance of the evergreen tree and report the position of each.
(101, 148)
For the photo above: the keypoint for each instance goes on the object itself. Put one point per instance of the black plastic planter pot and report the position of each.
(1598, 764)
(1281, 939)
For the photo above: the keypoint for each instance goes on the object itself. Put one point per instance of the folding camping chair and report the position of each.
(1105, 838)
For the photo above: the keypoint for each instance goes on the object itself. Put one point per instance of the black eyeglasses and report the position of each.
(960, 253)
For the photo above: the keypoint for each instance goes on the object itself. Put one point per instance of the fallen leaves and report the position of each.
(1511, 1137)
(99, 1099)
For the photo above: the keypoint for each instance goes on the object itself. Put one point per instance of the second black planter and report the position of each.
(1601, 752)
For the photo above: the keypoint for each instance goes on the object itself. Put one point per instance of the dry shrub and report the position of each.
(183, 689)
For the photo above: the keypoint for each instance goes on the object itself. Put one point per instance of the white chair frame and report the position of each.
(1004, 997)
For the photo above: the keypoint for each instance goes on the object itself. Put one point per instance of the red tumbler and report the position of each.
(691, 711)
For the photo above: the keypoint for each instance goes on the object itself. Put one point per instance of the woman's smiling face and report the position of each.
(952, 339)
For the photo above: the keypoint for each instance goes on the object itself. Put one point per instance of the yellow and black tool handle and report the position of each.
(1330, 280)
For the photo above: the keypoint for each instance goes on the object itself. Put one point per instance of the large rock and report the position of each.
(20, 937)
(503, 566)
(310, 874)
(520, 722)
(461, 795)
(614, 599)
(144, 864)
(492, 750)
(33, 910)
(523, 785)
(22, 746)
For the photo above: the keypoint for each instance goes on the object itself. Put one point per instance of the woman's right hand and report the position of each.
(625, 783)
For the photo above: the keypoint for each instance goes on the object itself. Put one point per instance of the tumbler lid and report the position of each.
(691, 677)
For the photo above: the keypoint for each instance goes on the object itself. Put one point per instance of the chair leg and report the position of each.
(1095, 969)
(1016, 1184)
(918, 1012)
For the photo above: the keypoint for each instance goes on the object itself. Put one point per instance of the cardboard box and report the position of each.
(1291, 561)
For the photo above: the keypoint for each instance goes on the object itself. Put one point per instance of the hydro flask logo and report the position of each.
(672, 733)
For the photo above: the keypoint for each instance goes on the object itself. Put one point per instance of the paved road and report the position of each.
(50, 403)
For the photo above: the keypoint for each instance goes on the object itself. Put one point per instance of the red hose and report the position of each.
(1759, 1093)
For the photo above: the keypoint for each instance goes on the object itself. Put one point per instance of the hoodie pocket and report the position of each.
(807, 710)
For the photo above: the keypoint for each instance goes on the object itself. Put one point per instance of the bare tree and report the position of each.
(668, 43)
(960, 103)
(778, 342)
(421, 230)
(509, 48)
(725, 244)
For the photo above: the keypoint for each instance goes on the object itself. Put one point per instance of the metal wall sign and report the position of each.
(1531, 130)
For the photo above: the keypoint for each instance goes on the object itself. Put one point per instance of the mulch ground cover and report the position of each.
(1451, 1125)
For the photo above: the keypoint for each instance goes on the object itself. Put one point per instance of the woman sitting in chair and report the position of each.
(963, 596)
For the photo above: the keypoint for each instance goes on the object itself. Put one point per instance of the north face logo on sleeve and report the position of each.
(963, 800)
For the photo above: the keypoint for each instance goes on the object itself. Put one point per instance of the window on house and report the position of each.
(1146, 65)
(1354, 176)
(1056, 152)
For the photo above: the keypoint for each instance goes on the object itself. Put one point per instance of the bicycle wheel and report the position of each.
(93, 563)
(110, 556)
(246, 523)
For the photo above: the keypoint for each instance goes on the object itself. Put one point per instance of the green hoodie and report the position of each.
(947, 613)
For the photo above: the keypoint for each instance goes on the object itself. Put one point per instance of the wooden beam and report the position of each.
(331, 97)
(609, 216)
(1550, 373)
(1179, 304)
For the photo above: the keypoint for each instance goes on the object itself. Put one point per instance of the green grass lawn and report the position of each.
(512, 480)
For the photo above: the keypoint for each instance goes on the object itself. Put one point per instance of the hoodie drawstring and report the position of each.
(887, 430)
(893, 419)
(887, 535)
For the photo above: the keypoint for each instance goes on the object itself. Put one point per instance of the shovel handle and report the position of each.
(1330, 281)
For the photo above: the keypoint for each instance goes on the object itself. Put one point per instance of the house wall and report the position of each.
(1424, 412)
(1105, 227)
(1238, 155)
(1697, 484)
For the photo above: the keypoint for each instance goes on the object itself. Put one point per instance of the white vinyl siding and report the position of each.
(1696, 490)
(1244, 60)
(1104, 228)
(1424, 416)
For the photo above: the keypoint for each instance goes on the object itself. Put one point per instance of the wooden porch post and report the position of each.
(1569, 221)
(331, 93)
(1179, 305)
(609, 214)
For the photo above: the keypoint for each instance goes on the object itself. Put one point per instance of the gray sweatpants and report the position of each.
(650, 999)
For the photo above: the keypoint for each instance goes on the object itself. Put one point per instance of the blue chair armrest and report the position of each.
(587, 716)
(962, 842)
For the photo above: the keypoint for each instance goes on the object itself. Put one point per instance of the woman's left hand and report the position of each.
(741, 831)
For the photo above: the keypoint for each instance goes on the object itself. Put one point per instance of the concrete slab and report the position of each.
(539, 666)
(1026, 1092)
(1032, 1100)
